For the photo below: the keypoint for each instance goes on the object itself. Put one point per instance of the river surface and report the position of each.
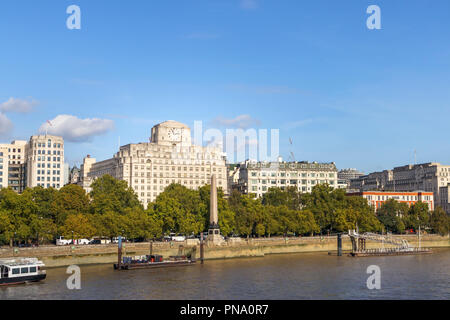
(294, 276)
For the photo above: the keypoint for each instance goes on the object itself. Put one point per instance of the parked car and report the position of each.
(178, 238)
(63, 242)
(82, 241)
(100, 241)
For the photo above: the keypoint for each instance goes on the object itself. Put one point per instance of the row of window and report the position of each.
(54, 179)
(176, 161)
(55, 152)
(167, 168)
(192, 182)
(284, 181)
(48, 185)
(293, 174)
(55, 165)
(179, 175)
(48, 158)
(49, 144)
(403, 198)
(49, 172)
(265, 189)
(24, 270)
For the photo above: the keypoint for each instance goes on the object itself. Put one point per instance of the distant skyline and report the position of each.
(341, 93)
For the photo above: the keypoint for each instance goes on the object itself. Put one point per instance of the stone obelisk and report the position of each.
(214, 229)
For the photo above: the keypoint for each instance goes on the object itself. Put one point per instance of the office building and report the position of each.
(258, 177)
(377, 198)
(430, 177)
(169, 157)
(45, 161)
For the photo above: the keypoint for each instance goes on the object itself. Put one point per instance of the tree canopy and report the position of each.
(113, 209)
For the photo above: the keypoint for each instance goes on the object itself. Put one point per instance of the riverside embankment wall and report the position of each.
(54, 256)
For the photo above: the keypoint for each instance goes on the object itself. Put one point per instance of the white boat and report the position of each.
(21, 270)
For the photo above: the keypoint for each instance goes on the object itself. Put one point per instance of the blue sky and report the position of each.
(362, 98)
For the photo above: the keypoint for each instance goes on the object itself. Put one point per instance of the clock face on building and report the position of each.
(174, 134)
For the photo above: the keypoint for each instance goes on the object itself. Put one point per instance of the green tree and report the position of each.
(440, 222)
(324, 202)
(270, 219)
(111, 195)
(248, 214)
(70, 199)
(109, 224)
(289, 197)
(21, 209)
(363, 214)
(305, 223)
(44, 228)
(181, 210)
(418, 215)
(6, 227)
(43, 200)
(391, 215)
(81, 226)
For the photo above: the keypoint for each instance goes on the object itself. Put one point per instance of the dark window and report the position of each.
(32, 269)
(24, 270)
(16, 271)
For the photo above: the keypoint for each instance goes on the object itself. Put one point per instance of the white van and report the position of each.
(178, 238)
(82, 241)
(63, 242)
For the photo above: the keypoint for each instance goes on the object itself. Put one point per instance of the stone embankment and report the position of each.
(54, 256)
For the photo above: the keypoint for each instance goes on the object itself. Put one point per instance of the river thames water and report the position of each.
(294, 276)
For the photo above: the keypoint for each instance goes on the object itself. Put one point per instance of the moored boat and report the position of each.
(152, 261)
(16, 271)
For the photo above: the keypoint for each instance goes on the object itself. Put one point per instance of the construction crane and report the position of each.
(292, 156)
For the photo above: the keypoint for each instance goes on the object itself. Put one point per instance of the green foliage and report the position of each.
(113, 209)
(418, 215)
(392, 215)
(181, 210)
(109, 194)
(323, 201)
(6, 226)
(277, 197)
(440, 222)
(70, 199)
(79, 226)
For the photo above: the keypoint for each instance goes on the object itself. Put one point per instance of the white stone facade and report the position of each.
(12, 159)
(257, 177)
(45, 161)
(168, 158)
(3, 166)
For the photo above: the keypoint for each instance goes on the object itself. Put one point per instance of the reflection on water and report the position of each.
(297, 276)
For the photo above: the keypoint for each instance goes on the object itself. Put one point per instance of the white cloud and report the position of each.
(249, 4)
(243, 121)
(298, 124)
(18, 105)
(5, 125)
(74, 129)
